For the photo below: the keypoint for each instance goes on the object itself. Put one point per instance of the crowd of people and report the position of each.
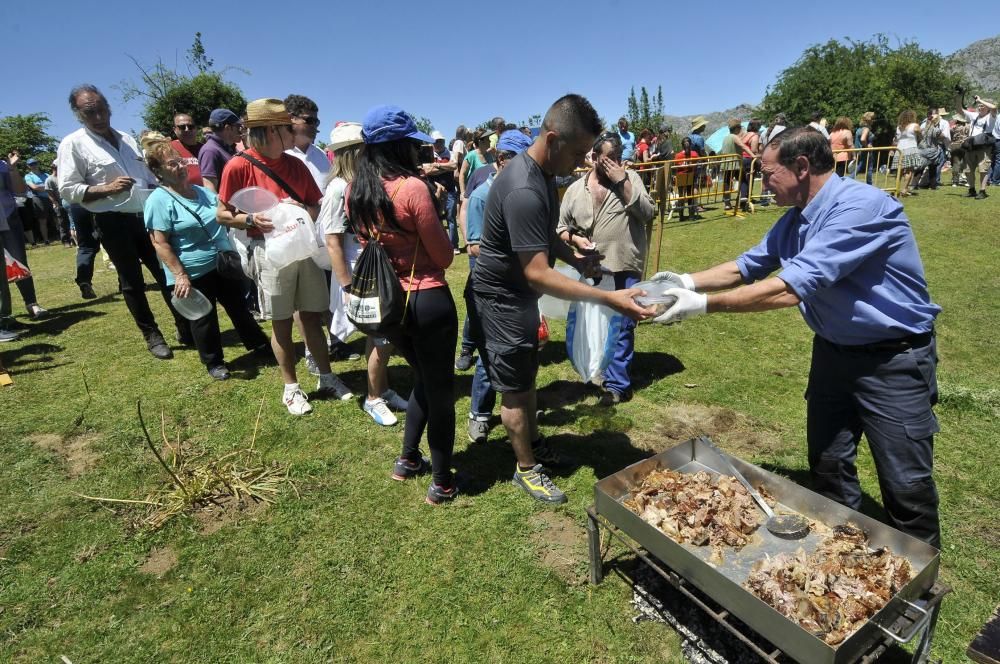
(173, 206)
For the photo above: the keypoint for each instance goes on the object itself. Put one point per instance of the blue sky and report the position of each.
(452, 62)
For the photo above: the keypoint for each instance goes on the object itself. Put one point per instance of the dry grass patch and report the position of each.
(159, 561)
(733, 431)
(77, 452)
(562, 546)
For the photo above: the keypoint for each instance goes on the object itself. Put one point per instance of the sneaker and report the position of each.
(611, 398)
(334, 387)
(464, 361)
(981, 195)
(311, 365)
(219, 372)
(404, 469)
(87, 292)
(297, 402)
(437, 495)
(380, 412)
(479, 430)
(37, 312)
(8, 335)
(341, 351)
(546, 456)
(971, 193)
(395, 402)
(538, 485)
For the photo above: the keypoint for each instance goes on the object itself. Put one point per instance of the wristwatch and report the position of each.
(249, 222)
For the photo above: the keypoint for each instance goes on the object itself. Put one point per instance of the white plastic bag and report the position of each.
(592, 332)
(322, 256)
(555, 308)
(340, 325)
(293, 238)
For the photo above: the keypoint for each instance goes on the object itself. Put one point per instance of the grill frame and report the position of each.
(690, 564)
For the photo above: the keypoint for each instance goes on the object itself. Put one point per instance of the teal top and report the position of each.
(191, 244)
(475, 162)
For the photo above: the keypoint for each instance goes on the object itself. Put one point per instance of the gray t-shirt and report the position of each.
(521, 216)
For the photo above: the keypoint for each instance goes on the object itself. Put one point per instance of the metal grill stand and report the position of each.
(919, 618)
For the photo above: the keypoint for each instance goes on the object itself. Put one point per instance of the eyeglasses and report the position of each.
(93, 111)
(308, 119)
(185, 127)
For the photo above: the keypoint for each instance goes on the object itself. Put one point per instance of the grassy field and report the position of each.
(356, 567)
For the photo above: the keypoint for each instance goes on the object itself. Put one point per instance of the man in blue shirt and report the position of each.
(848, 259)
(627, 139)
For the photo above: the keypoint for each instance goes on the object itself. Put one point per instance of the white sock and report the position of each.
(290, 388)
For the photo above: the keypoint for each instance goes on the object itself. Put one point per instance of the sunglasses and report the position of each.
(185, 127)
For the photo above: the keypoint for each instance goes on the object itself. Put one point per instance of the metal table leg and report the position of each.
(594, 546)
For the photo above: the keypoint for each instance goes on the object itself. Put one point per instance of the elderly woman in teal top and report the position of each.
(181, 221)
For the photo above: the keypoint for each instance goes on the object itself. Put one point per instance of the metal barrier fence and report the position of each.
(877, 166)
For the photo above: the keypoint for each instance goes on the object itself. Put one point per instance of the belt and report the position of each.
(137, 215)
(899, 345)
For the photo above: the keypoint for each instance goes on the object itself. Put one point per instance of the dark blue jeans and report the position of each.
(616, 376)
(484, 397)
(87, 243)
(468, 345)
(451, 205)
(888, 396)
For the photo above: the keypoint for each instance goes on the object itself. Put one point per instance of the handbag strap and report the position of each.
(193, 214)
(274, 176)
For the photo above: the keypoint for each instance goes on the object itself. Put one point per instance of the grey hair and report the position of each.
(79, 90)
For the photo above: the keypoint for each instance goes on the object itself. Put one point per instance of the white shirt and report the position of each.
(332, 217)
(943, 126)
(86, 159)
(316, 161)
(457, 151)
(979, 125)
(820, 128)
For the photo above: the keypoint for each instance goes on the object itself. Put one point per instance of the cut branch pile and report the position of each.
(197, 481)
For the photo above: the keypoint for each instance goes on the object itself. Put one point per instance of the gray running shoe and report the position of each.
(404, 469)
(538, 485)
(437, 495)
(479, 430)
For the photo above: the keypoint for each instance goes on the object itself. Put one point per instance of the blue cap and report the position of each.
(513, 140)
(390, 123)
(31, 162)
(222, 116)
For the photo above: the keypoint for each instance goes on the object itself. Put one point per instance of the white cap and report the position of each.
(437, 136)
(344, 135)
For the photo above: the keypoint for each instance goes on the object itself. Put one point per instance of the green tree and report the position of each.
(28, 134)
(424, 124)
(632, 114)
(852, 77)
(197, 57)
(165, 92)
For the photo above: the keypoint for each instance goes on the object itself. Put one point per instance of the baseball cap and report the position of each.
(513, 140)
(437, 136)
(222, 116)
(31, 162)
(387, 123)
(345, 135)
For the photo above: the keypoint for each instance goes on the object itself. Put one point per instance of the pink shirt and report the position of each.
(417, 217)
(841, 140)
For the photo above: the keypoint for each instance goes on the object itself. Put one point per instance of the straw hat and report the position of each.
(958, 117)
(697, 123)
(943, 112)
(267, 112)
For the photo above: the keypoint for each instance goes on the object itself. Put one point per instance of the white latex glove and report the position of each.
(688, 305)
(675, 280)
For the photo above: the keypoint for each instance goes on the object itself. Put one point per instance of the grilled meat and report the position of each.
(833, 591)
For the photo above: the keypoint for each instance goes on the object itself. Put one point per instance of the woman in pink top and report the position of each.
(842, 138)
(388, 199)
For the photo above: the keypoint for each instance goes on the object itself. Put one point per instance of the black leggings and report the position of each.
(205, 330)
(427, 341)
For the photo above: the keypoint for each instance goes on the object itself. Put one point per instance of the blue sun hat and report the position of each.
(391, 123)
(513, 140)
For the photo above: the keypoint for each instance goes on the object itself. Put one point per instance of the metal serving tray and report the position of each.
(722, 582)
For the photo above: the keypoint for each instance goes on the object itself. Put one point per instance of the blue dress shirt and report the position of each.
(851, 257)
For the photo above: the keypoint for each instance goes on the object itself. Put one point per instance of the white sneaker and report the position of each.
(334, 387)
(297, 403)
(380, 412)
(394, 401)
(8, 335)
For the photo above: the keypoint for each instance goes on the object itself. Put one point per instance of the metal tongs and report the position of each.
(785, 526)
